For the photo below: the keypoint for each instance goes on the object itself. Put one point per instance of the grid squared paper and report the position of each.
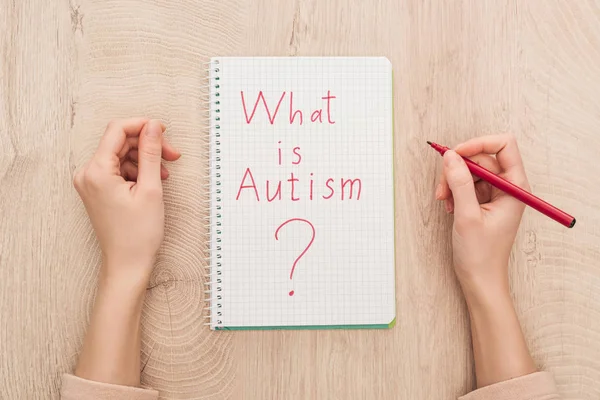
(346, 278)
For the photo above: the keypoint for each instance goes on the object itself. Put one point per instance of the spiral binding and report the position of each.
(213, 267)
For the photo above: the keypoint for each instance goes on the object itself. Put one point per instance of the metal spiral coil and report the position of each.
(210, 95)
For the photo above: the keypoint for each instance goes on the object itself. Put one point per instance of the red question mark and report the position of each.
(312, 239)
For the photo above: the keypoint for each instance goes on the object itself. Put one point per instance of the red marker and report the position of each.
(514, 191)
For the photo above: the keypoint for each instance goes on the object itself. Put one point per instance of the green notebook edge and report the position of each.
(392, 323)
(305, 327)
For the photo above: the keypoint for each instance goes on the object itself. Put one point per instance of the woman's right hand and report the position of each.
(122, 192)
(486, 219)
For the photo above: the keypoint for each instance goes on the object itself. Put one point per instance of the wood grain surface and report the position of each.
(461, 69)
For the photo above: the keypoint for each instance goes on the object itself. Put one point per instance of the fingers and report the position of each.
(164, 173)
(149, 156)
(449, 205)
(461, 184)
(169, 153)
(121, 135)
(116, 134)
(129, 171)
(130, 143)
(507, 153)
(133, 156)
(486, 161)
(122, 139)
(483, 191)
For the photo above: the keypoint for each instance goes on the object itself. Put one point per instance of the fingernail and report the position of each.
(448, 207)
(153, 128)
(438, 191)
(164, 127)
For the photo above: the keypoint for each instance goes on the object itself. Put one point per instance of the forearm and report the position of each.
(499, 347)
(111, 350)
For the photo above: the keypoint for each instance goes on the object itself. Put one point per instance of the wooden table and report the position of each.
(461, 68)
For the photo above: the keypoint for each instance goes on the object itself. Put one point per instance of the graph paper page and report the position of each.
(305, 169)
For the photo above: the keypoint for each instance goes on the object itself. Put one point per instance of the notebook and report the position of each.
(302, 206)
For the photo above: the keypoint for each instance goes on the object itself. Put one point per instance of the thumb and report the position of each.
(461, 184)
(149, 155)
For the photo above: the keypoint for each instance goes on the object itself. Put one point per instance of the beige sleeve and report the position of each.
(536, 386)
(75, 388)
